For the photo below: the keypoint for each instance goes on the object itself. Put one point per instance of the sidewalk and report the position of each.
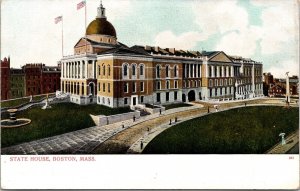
(84, 140)
(291, 141)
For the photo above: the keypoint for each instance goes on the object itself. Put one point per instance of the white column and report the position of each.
(212, 71)
(232, 71)
(223, 72)
(200, 66)
(78, 69)
(287, 97)
(81, 73)
(86, 68)
(218, 68)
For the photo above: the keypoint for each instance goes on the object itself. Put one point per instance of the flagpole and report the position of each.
(85, 26)
(62, 37)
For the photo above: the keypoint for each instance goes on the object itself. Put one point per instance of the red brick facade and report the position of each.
(5, 73)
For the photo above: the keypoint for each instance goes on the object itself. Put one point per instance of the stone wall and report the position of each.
(101, 120)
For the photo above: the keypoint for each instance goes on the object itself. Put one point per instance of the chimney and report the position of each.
(171, 50)
(147, 47)
(156, 48)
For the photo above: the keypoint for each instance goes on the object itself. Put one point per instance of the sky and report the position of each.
(266, 31)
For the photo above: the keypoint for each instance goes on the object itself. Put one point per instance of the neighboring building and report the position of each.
(105, 71)
(5, 85)
(41, 79)
(276, 87)
(33, 78)
(268, 80)
(50, 79)
(17, 83)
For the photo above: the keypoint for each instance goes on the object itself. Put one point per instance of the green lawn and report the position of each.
(17, 102)
(176, 105)
(61, 118)
(250, 130)
(14, 103)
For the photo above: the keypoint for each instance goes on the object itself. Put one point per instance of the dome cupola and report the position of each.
(100, 26)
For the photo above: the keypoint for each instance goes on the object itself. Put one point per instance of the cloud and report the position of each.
(241, 43)
(221, 16)
(279, 24)
(285, 66)
(185, 41)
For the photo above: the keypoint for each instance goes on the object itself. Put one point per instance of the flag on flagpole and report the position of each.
(58, 19)
(81, 4)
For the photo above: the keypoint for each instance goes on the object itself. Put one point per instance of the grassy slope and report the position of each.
(249, 130)
(61, 118)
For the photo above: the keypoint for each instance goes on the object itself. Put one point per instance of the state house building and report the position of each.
(107, 72)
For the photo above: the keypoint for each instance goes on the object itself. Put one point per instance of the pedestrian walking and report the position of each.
(142, 145)
(175, 119)
(170, 122)
(245, 104)
(208, 109)
(159, 111)
(133, 118)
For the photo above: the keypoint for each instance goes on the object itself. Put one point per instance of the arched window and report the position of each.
(108, 69)
(168, 84)
(125, 69)
(99, 86)
(225, 82)
(216, 82)
(196, 85)
(175, 71)
(221, 82)
(99, 70)
(103, 70)
(141, 69)
(133, 69)
(157, 71)
(167, 71)
(158, 85)
(126, 87)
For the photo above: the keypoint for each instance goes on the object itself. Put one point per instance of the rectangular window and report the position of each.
(108, 88)
(142, 86)
(167, 96)
(99, 86)
(158, 97)
(142, 99)
(175, 95)
(125, 101)
(133, 87)
(103, 87)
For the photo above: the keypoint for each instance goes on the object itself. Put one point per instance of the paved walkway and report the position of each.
(290, 140)
(148, 136)
(81, 141)
(87, 140)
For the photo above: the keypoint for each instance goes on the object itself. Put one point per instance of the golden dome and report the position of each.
(101, 26)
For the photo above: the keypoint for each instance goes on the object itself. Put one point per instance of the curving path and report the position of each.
(115, 139)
